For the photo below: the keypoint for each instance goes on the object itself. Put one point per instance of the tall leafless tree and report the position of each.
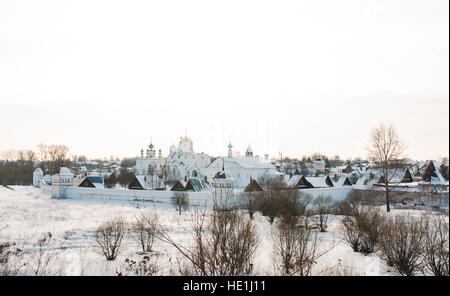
(385, 150)
(224, 242)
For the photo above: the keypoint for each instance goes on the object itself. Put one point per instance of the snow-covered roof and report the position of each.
(273, 172)
(398, 175)
(225, 175)
(197, 184)
(87, 179)
(432, 174)
(342, 181)
(318, 182)
(149, 182)
(293, 181)
(65, 172)
(250, 162)
(253, 186)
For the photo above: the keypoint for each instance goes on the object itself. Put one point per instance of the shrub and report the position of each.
(401, 244)
(322, 206)
(224, 244)
(180, 200)
(362, 231)
(436, 247)
(295, 249)
(144, 229)
(109, 237)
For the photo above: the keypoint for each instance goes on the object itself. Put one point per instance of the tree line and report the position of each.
(16, 166)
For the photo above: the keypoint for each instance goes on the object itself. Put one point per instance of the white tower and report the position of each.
(172, 149)
(38, 174)
(152, 151)
(249, 152)
(230, 153)
(223, 184)
(60, 182)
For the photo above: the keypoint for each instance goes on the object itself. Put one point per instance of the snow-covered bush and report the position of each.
(322, 206)
(401, 244)
(109, 237)
(362, 231)
(144, 229)
(295, 249)
(436, 246)
(224, 243)
(180, 200)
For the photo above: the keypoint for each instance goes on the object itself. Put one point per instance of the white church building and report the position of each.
(149, 164)
(243, 169)
(182, 161)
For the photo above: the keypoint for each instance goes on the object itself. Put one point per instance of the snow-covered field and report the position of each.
(29, 212)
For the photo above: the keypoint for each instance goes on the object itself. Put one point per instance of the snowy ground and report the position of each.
(29, 212)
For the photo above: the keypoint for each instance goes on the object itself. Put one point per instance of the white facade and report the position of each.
(60, 182)
(149, 164)
(223, 184)
(319, 166)
(243, 169)
(38, 174)
(182, 162)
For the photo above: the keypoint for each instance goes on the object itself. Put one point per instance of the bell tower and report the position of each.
(230, 152)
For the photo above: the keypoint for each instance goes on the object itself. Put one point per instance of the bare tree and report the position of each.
(9, 155)
(248, 201)
(370, 223)
(296, 249)
(354, 202)
(109, 237)
(224, 243)
(350, 233)
(322, 207)
(401, 244)
(144, 229)
(436, 247)
(362, 231)
(180, 200)
(52, 157)
(269, 204)
(385, 150)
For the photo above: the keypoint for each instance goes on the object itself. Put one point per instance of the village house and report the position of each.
(243, 169)
(432, 179)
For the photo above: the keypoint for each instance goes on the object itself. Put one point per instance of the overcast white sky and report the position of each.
(294, 76)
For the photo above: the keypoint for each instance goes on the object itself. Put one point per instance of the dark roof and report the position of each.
(84, 182)
(179, 186)
(196, 184)
(253, 186)
(95, 179)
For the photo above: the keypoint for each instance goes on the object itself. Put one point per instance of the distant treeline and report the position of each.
(16, 173)
(17, 166)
